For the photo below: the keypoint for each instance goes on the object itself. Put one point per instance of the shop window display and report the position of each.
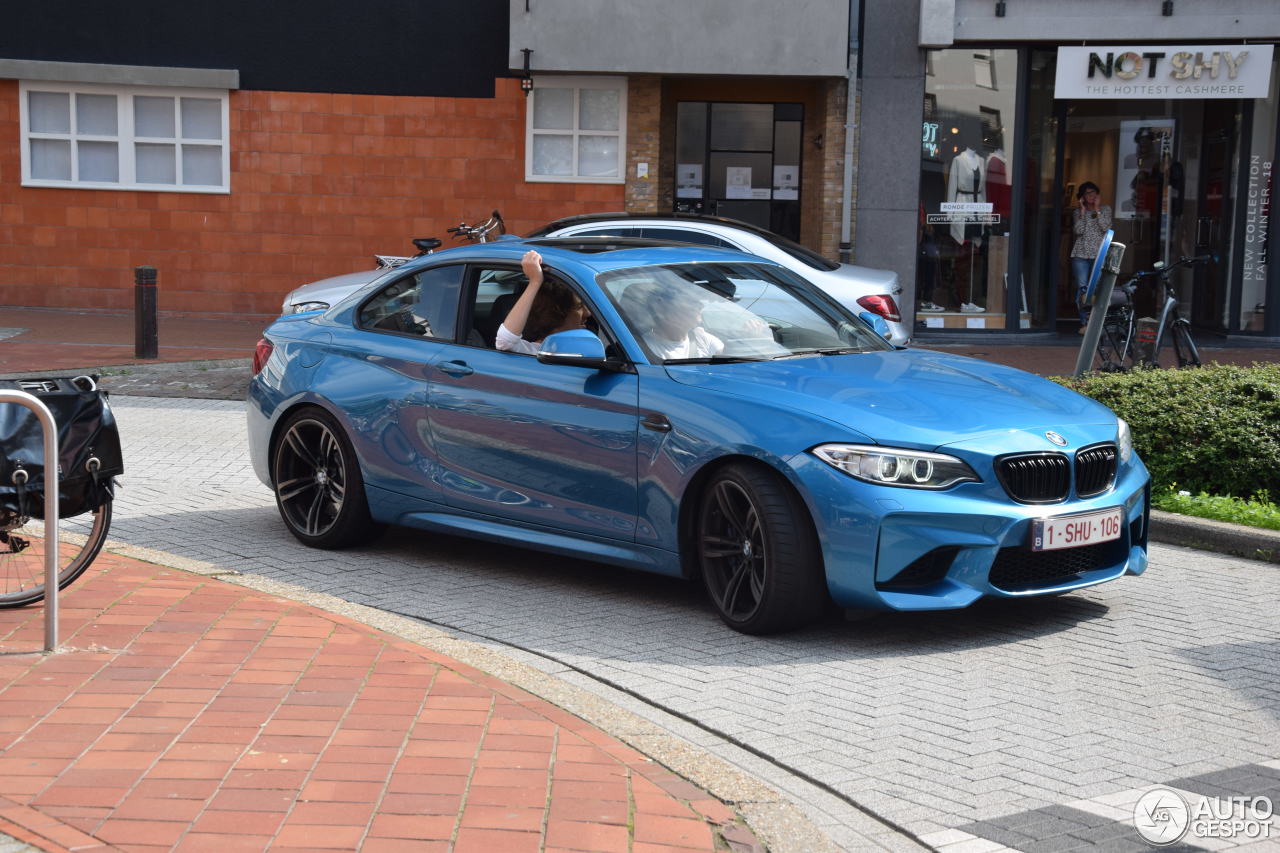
(965, 189)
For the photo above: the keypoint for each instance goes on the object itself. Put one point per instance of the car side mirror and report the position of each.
(875, 321)
(577, 347)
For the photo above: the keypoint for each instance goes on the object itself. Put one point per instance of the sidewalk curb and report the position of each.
(774, 817)
(1237, 540)
(134, 366)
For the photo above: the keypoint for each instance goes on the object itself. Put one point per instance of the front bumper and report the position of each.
(908, 549)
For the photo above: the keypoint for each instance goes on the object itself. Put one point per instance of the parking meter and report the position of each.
(1097, 296)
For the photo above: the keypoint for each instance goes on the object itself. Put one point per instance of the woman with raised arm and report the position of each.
(541, 310)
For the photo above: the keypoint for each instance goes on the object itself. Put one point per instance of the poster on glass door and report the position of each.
(1144, 160)
(786, 183)
(737, 184)
(689, 180)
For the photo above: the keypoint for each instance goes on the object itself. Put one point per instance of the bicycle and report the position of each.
(1127, 342)
(89, 456)
(427, 245)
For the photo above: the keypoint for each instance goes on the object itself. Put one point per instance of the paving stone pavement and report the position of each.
(188, 713)
(947, 725)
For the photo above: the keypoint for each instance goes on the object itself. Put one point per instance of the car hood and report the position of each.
(911, 398)
(332, 290)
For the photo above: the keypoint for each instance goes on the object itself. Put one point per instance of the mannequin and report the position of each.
(966, 182)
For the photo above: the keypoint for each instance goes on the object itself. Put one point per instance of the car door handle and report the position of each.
(657, 422)
(456, 368)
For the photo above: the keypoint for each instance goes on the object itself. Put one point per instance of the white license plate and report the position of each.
(1074, 531)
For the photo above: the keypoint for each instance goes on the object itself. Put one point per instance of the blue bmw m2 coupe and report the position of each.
(717, 418)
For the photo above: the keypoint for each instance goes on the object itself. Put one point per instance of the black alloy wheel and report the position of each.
(317, 482)
(757, 552)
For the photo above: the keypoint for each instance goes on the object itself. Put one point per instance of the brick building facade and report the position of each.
(347, 131)
(319, 182)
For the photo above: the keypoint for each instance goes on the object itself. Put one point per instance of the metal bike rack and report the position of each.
(50, 430)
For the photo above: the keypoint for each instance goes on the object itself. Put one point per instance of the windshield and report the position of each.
(731, 312)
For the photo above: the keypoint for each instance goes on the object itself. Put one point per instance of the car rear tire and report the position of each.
(757, 552)
(317, 482)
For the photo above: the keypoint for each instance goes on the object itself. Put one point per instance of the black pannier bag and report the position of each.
(89, 456)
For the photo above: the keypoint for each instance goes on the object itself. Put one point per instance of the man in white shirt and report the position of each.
(675, 331)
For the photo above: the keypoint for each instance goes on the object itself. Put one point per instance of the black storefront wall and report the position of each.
(383, 47)
(1018, 198)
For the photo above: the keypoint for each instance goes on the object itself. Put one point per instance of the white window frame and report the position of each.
(577, 84)
(125, 137)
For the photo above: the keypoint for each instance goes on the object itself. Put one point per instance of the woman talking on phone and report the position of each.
(1090, 222)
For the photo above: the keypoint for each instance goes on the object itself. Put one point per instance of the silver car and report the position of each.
(319, 295)
(857, 288)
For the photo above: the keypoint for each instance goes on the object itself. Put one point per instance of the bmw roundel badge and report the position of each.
(1056, 439)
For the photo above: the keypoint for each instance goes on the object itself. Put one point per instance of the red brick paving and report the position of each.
(64, 339)
(184, 713)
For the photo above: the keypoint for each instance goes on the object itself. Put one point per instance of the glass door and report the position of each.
(1129, 149)
(1166, 169)
(741, 161)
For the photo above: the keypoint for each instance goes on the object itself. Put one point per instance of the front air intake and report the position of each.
(1020, 570)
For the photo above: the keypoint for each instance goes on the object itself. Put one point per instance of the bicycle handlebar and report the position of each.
(1164, 269)
(481, 231)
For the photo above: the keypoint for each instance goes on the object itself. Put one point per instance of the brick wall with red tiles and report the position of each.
(319, 183)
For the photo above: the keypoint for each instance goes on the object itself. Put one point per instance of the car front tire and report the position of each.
(757, 552)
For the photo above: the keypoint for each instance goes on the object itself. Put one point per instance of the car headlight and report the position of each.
(890, 466)
(302, 307)
(1124, 439)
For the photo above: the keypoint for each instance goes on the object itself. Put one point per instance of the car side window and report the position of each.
(682, 235)
(496, 291)
(422, 304)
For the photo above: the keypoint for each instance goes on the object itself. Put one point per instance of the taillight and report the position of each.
(882, 305)
(261, 353)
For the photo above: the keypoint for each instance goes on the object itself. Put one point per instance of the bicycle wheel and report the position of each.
(22, 553)
(1115, 344)
(1184, 348)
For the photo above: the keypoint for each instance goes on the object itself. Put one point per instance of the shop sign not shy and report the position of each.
(1164, 71)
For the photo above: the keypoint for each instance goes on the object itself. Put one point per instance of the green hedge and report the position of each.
(1214, 429)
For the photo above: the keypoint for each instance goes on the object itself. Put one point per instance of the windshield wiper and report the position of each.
(822, 351)
(717, 359)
